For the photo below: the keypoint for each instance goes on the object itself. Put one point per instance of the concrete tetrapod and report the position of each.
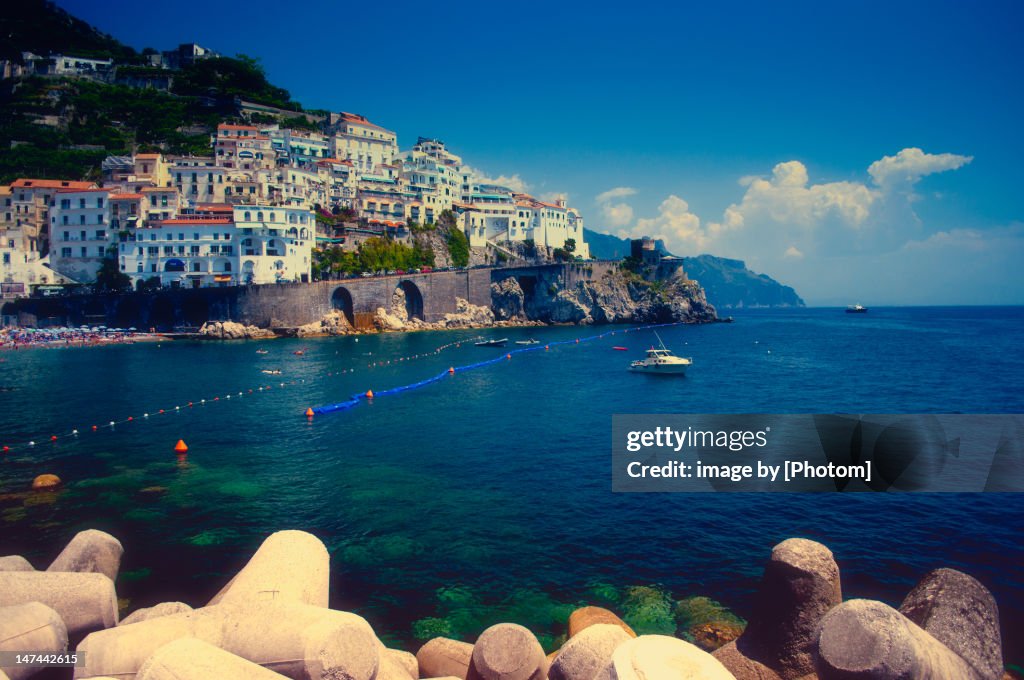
(30, 627)
(442, 656)
(296, 640)
(406, 661)
(15, 563)
(800, 584)
(90, 551)
(660, 656)
(587, 652)
(156, 611)
(291, 566)
(960, 613)
(871, 640)
(507, 651)
(86, 602)
(191, 659)
(583, 617)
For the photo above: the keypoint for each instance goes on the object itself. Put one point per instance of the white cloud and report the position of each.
(675, 224)
(513, 182)
(554, 196)
(617, 214)
(617, 192)
(793, 252)
(910, 165)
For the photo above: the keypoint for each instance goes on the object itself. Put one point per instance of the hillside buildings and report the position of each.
(246, 214)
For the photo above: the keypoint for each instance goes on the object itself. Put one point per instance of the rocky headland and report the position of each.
(273, 620)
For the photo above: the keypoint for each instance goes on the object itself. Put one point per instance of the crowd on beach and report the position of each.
(17, 338)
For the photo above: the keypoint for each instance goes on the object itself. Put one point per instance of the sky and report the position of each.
(861, 152)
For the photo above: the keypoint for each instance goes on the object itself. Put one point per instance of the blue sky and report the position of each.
(741, 129)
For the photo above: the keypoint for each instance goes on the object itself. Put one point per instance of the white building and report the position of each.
(275, 243)
(365, 144)
(188, 252)
(80, 232)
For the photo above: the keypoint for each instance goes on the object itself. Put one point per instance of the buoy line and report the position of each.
(370, 394)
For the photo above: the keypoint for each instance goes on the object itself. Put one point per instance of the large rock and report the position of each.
(587, 652)
(468, 315)
(507, 299)
(585, 617)
(290, 566)
(507, 651)
(90, 551)
(332, 323)
(800, 585)
(871, 640)
(191, 659)
(442, 656)
(30, 627)
(296, 640)
(742, 666)
(960, 613)
(231, 330)
(156, 611)
(660, 656)
(85, 602)
(404, 660)
(15, 563)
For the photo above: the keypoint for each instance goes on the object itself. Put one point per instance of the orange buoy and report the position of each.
(181, 447)
(369, 394)
(451, 370)
(309, 412)
(508, 356)
(94, 428)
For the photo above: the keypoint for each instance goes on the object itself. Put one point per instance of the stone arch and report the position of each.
(196, 310)
(407, 301)
(162, 313)
(341, 299)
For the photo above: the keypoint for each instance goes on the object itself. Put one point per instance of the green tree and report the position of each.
(570, 245)
(458, 247)
(111, 279)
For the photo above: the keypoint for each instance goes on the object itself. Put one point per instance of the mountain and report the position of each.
(40, 27)
(729, 284)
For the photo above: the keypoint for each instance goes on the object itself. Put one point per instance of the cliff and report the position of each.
(730, 284)
(615, 297)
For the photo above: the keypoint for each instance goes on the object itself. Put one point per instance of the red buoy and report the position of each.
(53, 438)
(181, 447)
(309, 412)
(451, 370)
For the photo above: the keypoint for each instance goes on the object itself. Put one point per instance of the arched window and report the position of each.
(248, 216)
(259, 217)
(273, 217)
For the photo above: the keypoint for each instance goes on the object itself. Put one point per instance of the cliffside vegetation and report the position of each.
(374, 255)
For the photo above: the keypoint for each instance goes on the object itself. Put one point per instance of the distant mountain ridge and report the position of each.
(728, 282)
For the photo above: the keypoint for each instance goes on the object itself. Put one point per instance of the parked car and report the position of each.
(427, 270)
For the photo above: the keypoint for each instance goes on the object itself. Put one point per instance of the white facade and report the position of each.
(275, 244)
(365, 144)
(80, 233)
(186, 252)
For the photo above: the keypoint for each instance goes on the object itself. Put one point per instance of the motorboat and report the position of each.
(530, 341)
(856, 309)
(660, 360)
(493, 343)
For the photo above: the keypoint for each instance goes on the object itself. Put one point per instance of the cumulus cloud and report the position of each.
(832, 239)
(554, 196)
(617, 192)
(513, 182)
(910, 165)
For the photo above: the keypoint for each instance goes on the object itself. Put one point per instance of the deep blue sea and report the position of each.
(487, 496)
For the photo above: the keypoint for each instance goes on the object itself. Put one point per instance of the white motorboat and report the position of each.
(661, 361)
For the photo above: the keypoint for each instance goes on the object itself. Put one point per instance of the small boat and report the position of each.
(262, 351)
(661, 361)
(268, 371)
(298, 352)
(493, 343)
(620, 349)
(530, 341)
(856, 309)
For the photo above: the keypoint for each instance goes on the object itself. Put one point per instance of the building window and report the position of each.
(65, 252)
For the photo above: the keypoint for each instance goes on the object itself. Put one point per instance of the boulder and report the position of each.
(191, 659)
(871, 640)
(90, 551)
(589, 616)
(404, 660)
(15, 563)
(290, 566)
(960, 613)
(85, 602)
(800, 584)
(660, 656)
(156, 611)
(293, 639)
(232, 330)
(443, 657)
(742, 666)
(30, 627)
(45, 482)
(584, 654)
(507, 651)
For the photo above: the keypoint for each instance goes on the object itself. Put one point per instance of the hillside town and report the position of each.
(259, 207)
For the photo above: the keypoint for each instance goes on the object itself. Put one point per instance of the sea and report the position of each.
(486, 496)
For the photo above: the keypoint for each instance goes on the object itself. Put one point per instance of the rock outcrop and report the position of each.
(332, 323)
(232, 330)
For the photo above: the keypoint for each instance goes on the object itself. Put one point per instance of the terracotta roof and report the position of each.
(215, 207)
(198, 220)
(50, 184)
(83, 191)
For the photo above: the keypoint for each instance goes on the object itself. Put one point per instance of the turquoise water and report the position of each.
(486, 496)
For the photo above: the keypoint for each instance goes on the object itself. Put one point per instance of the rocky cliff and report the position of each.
(730, 284)
(615, 297)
